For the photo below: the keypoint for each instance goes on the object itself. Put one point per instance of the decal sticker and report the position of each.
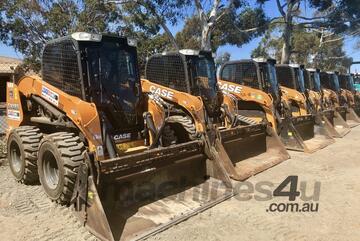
(13, 106)
(99, 151)
(50, 95)
(13, 114)
(162, 92)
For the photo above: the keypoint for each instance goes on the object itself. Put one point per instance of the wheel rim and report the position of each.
(50, 169)
(15, 157)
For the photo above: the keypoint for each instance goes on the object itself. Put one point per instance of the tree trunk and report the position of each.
(286, 49)
(206, 37)
(170, 35)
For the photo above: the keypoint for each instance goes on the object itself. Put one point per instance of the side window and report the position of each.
(285, 77)
(168, 71)
(227, 72)
(60, 67)
(246, 74)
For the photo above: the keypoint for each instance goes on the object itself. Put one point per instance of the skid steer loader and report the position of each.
(292, 76)
(353, 96)
(97, 143)
(186, 81)
(337, 97)
(260, 96)
(338, 127)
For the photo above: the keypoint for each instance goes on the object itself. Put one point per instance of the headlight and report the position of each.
(83, 36)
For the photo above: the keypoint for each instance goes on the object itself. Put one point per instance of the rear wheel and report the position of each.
(60, 155)
(23, 145)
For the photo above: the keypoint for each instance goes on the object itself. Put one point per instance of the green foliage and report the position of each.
(148, 46)
(29, 24)
(306, 49)
(145, 15)
(233, 28)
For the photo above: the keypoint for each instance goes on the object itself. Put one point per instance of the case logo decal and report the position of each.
(230, 88)
(162, 92)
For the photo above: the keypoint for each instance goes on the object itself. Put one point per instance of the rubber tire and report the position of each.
(28, 139)
(68, 151)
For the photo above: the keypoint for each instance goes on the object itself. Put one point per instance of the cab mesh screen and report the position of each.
(343, 81)
(285, 76)
(167, 70)
(325, 80)
(244, 73)
(60, 67)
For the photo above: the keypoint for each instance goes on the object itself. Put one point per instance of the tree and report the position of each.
(313, 48)
(151, 15)
(222, 58)
(338, 16)
(27, 25)
(235, 26)
(232, 10)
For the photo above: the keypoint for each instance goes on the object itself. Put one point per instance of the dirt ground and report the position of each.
(26, 214)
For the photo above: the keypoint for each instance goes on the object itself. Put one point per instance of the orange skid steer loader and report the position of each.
(338, 127)
(337, 98)
(96, 142)
(186, 83)
(292, 77)
(261, 98)
(353, 96)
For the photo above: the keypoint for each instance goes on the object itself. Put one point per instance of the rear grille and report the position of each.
(61, 68)
(169, 71)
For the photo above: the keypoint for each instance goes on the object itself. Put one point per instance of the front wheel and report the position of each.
(60, 155)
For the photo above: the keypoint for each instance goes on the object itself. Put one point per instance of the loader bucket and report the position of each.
(143, 194)
(335, 124)
(357, 110)
(342, 111)
(351, 118)
(248, 150)
(303, 134)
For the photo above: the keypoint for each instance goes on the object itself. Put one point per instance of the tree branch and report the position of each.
(281, 8)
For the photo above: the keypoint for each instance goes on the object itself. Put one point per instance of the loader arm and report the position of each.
(82, 114)
(315, 99)
(349, 97)
(192, 104)
(330, 96)
(246, 93)
(294, 96)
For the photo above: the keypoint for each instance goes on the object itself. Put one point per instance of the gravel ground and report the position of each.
(26, 213)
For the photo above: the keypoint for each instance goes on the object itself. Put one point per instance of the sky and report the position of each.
(245, 50)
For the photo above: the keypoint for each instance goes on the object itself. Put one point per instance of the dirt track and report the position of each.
(26, 214)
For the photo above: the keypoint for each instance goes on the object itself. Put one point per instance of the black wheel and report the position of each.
(22, 147)
(60, 155)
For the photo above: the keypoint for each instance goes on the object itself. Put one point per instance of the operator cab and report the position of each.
(329, 80)
(291, 76)
(189, 71)
(258, 73)
(346, 82)
(312, 79)
(101, 69)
